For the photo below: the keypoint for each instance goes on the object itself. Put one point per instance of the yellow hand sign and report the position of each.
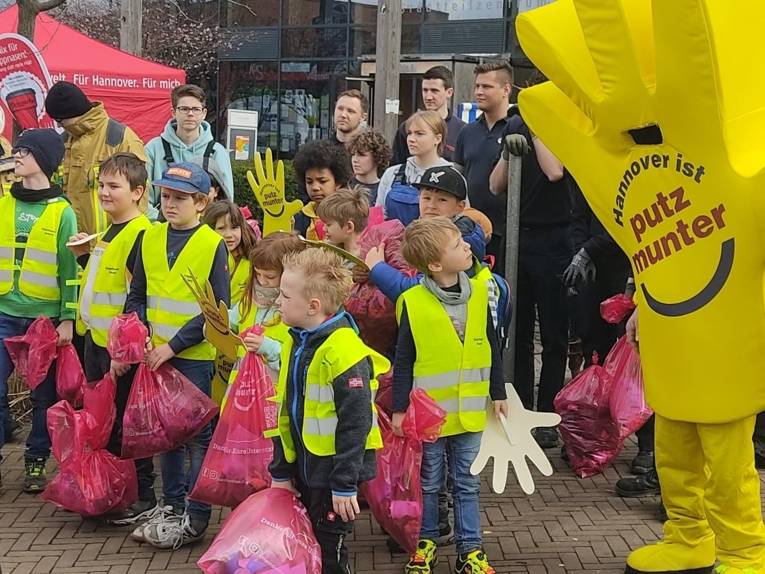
(269, 191)
(655, 110)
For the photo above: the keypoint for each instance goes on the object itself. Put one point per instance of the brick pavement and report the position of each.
(569, 525)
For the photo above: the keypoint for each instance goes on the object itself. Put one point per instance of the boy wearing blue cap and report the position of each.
(180, 246)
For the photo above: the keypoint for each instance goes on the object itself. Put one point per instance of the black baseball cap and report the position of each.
(444, 178)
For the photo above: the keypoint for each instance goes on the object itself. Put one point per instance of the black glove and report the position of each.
(515, 144)
(581, 269)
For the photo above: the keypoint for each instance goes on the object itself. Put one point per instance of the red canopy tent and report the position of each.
(134, 91)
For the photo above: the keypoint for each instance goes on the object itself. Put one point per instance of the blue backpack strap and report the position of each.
(504, 308)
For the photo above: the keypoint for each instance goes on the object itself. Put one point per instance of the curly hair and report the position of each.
(323, 154)
(372, 141)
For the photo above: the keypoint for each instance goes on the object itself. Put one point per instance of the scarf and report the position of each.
(455, 304)
(20, 193)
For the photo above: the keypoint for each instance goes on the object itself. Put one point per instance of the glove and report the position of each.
(676, 180)
(269, 192)
(515, 144)
(581, 269)
(510, 440)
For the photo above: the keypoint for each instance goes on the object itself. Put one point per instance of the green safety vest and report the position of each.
(110, 281)
(170, 304)
(454, 374)
(338, 353)
(39, 268)
(240, 275)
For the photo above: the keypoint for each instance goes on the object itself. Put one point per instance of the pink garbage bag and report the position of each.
(236, 463)
(127, 339)
(628, 407)
(70, 378)
(269, 533)
(34, 352)
(394, 495)
(164, 410)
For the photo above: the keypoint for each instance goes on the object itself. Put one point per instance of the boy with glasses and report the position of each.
(187, 137)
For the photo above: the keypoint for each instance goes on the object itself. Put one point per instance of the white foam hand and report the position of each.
(510, 441)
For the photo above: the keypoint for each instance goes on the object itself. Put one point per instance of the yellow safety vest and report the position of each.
(39, 268)
(338, 353)
(240, 274)
(454, 374)
(170, 304)
(110, 282)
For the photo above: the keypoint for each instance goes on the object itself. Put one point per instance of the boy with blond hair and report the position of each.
(327, 431)
(447, 346)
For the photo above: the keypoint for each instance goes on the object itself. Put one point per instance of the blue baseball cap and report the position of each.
(186, 177)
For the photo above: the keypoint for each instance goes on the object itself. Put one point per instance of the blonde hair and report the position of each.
(346, 204)
(433, 121)
(425, 241)
(324, 277)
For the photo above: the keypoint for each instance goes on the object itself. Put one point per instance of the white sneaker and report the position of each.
(164, 515)
(172, 533)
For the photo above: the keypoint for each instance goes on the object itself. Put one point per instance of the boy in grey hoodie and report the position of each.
(187, 137)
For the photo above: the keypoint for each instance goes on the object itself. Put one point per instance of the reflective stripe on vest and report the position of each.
(107, 284)
(339, 352)
(170, 304)
(38, 276)
(454, 374)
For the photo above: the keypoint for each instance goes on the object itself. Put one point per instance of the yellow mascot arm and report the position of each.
(657, 108)
(269, 191)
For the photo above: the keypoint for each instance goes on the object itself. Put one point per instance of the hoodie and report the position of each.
(352, 464)
(155, 158)
(413, 173)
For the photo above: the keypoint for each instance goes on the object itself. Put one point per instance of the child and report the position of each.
(397, 195)
(103, 293)
(370, 156)
(258, 306)
(325, 168)
(447, 346)
(170, 251)
(226, 219)
(325, 389)
(345, 217)
(442, 192)
(35, 266)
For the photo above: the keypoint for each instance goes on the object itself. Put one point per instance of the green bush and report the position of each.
(243, 194)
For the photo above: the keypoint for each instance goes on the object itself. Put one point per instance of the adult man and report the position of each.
(351, 112)
(544, 253)
(187, 137)
(91, 136)
(478, 145)
(437, 90)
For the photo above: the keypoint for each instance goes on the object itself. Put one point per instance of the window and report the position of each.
(314, 12)
(308, 94)
(250, 14)
(250, 86)
(314, 42)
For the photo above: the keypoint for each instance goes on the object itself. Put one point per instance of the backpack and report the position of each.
(169, 159)
(403, 199)
(499, 299)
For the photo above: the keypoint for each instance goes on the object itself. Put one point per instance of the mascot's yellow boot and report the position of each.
(672, 558)
(723, 569)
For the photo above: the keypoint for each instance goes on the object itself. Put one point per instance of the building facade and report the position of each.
(288, 59)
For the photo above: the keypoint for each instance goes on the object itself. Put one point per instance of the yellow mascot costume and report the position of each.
(658, 110)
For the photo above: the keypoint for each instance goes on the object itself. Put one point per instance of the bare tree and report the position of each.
(28, 11)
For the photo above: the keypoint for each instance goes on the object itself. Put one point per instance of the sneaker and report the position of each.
(166, 514)
(474, 562)
(140, 511)
(34, 475)
(643, 463)
(546, 437)
(639, 486)
(424, 558)
(174, 533)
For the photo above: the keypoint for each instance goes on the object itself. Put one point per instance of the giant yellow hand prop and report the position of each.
(269, 191)
(658, 110)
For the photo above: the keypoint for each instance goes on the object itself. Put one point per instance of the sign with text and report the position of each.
(24, 82)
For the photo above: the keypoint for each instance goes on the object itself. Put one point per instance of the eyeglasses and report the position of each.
(20, 151)
(196, 110)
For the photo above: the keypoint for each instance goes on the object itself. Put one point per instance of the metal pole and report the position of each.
(388, 55)
(511, 256)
